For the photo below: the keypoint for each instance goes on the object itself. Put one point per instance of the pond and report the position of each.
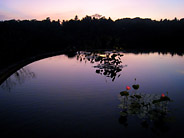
(95, 95)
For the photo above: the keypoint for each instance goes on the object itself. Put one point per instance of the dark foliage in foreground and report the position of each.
(30, 37)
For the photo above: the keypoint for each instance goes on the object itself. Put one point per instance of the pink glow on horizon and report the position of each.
(67, 9)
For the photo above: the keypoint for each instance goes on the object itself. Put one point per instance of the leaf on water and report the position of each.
(156, 101)
(135, 106)
(97, 71)
(138, 96)
(113, 56)
(124, 93)
(165, 98)
(136, 87)
(98, 59)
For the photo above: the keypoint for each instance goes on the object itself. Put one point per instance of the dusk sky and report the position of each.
(67, 9)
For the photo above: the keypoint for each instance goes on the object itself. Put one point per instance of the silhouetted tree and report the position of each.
(76, 18)
(30, 37)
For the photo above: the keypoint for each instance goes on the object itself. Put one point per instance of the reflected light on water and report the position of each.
(80, 93)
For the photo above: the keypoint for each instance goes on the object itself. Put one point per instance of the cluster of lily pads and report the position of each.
(108, 62)
(147, 107)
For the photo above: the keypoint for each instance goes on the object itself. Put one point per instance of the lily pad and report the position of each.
(124, 93)
(138, 96)
(156, 101)
(135, 106)
(98, 71)
(136, 87)
(113, 56)
(165, 98)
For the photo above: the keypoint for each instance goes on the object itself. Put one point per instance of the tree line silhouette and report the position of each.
(30, 37)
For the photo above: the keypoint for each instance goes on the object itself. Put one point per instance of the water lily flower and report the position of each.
(128, 87)
(163, 95)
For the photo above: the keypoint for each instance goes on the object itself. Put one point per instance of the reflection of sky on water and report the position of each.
(68, 91)
(155, 73)
(181, 71)
(18, 78)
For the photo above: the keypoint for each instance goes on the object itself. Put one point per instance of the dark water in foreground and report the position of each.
(80, 97)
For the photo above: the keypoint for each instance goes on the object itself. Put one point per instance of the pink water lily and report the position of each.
(163, 95)
(128, 87)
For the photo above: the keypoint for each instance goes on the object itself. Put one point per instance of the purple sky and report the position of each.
(67, 9)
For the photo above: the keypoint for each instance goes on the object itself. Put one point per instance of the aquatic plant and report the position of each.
(128, 87)
(108, 63)
(151, 109)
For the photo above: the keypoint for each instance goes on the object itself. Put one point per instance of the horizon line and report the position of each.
(92, 16)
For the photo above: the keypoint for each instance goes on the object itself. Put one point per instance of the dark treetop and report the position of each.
(29, 37)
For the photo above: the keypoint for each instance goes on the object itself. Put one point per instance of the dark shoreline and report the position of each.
(10, 69)
(30, 36)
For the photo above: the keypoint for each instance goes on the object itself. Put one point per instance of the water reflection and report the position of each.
(19, 77)
(70, 95)
(108, 63)
(152, 110)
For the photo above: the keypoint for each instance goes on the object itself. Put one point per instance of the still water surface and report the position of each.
(80, 97)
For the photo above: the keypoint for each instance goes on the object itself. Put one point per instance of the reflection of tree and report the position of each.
(19, 77)
(152, 110)
(108, 63)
